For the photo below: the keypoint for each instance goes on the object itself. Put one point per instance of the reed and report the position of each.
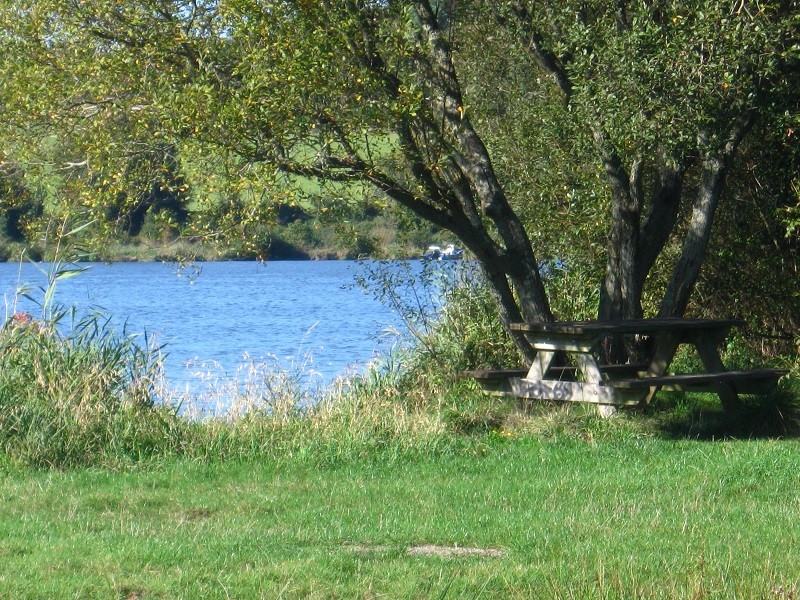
(80, 394)
(86, 397)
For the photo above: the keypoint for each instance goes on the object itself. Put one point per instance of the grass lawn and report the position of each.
(498, 518)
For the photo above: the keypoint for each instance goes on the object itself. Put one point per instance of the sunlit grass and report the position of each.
(643, 518)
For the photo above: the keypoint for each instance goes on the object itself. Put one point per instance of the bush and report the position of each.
(448, 310)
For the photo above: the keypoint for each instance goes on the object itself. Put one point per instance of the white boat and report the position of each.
(432, 253)
(449, 253)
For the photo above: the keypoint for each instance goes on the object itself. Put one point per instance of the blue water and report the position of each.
(226, 313)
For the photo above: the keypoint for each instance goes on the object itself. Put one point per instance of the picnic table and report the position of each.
(612, 385)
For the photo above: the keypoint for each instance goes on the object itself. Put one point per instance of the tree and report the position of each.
(346, 91)
(667, 93)
(760, 259)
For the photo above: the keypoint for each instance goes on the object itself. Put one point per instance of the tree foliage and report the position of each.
(525, 128)
(19, 206)
(663, 96)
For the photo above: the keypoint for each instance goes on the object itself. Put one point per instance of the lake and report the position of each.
(307, 314)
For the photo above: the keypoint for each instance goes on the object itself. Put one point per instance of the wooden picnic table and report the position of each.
(609, 386)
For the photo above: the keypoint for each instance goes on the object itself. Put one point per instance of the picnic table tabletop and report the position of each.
(654, 325)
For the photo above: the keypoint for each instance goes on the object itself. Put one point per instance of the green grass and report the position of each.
(568, 518)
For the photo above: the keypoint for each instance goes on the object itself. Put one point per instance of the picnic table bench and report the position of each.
(609, 386)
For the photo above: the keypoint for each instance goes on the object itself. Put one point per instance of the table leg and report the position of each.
(707, 344)
(540, 364)
(591, 374)
(666, 347)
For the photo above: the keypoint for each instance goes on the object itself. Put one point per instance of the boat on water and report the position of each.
(448, 253)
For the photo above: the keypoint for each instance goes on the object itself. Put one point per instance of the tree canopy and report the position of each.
(608, 131)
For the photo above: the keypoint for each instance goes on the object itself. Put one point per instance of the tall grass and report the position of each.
(83, 395)
(451, 316)
(79, 398)
(73, 391)
(271, 413)
(466, 333)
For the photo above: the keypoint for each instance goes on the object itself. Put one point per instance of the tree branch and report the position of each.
(533, 41)
(660, 220)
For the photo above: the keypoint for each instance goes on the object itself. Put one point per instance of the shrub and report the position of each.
(448, 310)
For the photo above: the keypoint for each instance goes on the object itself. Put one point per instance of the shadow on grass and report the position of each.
(699, 416)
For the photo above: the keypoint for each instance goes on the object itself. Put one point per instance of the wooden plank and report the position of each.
(631, 391)
(569, 391)
(495, 373)
(626, 369)
(589, 368)
(559, 372)
(697, 380)
(541, 363)
(707, 344)
(757, 386)
(496, 386)
(627, 326)
(666, 346)
(548, 341)
(590, 371)
(492, 374)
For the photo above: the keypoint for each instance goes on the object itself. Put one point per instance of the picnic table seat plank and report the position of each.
(754, 379)
(572, 391)
(497, 382)
(556, 372)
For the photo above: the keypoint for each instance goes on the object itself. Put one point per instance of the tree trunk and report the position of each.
(660, 221)
(470, 159)
(497, 267)
(620, 294)
(687, 269)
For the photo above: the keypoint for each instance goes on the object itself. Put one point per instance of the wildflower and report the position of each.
(21, 319)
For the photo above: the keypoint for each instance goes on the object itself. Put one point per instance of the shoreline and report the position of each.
(185, 255)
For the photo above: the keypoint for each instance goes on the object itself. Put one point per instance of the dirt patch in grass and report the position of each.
(431, 550)
(447, 551)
